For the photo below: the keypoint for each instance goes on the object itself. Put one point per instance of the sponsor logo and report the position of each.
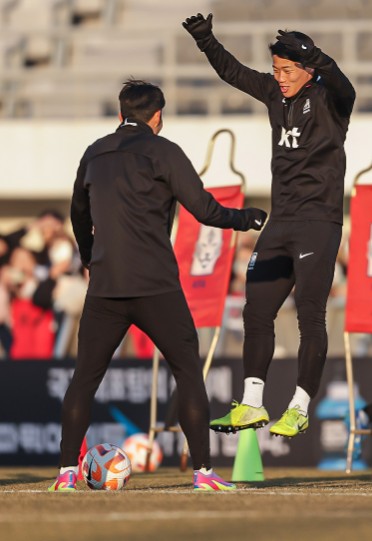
(306, 108)
(90, 472)
(289, 138)
(301, 256)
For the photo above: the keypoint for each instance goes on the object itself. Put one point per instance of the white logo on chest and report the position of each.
(289, 138)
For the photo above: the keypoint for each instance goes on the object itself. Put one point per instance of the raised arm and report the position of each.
(228, 68)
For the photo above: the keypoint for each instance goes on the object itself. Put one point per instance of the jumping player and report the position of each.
(122, 210)
(309, 102)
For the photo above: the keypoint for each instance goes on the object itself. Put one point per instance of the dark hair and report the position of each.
(281, 50)
(139, 99)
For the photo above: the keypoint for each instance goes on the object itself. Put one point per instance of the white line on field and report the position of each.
(260, 492)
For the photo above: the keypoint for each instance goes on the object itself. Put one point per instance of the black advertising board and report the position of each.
(31, 394)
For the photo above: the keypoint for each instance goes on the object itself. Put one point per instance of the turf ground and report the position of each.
(301, 505)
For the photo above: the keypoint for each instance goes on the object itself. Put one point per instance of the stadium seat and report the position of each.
(83, 42)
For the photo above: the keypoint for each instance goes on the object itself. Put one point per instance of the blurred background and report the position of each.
(62, 65)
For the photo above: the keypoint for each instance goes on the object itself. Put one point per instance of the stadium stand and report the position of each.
(66, 58)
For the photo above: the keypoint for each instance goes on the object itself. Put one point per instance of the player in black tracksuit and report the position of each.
(309, 102)
(122, 211)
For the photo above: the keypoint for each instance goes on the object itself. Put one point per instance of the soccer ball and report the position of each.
(106, 467)
(136, 448)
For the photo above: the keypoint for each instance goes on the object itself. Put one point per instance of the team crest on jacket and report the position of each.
(289, 138)
(252, 261)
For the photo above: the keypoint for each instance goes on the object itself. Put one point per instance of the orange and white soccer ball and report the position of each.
(136, 448)
(106, 467)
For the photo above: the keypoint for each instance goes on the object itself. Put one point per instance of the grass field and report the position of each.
(302, 504)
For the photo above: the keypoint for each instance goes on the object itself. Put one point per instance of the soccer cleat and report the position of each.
(240, 417)
(207, 482)
(291, 423)
(65, 482)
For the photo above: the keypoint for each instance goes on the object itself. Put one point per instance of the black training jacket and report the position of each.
(308, 133)
(126, 190)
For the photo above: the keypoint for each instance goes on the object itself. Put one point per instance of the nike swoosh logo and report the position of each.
(258, 222)
(301, 256)
(89, 476)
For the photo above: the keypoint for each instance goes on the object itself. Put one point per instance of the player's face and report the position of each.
(290, 76)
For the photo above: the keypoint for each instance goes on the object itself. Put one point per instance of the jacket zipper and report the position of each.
(291, 106)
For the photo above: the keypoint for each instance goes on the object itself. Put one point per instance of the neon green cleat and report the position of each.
(291, 423)
(240, 417)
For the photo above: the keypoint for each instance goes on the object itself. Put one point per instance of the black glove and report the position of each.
(304, 49)
(251, 218)
(198, 26)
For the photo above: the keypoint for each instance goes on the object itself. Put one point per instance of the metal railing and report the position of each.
(80, 70)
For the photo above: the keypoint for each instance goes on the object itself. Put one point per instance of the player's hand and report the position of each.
(252, 218)
(198, 26)
(295, 45)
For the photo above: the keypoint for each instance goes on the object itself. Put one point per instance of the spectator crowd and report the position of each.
(42, 286)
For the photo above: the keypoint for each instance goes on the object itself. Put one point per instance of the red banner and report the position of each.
(205, 255)
(359, 283)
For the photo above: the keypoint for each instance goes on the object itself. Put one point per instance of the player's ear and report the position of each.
(120, 116)
(158, 117)
(161, 117)
(156, 121)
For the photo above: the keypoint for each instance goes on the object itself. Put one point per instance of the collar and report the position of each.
(134, 124)
(299, 93)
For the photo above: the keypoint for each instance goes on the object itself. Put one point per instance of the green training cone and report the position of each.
(248, 463)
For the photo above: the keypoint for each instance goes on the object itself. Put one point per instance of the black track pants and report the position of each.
(290, 254)
(166, 319)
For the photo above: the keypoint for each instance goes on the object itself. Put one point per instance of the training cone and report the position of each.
(248, 463)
